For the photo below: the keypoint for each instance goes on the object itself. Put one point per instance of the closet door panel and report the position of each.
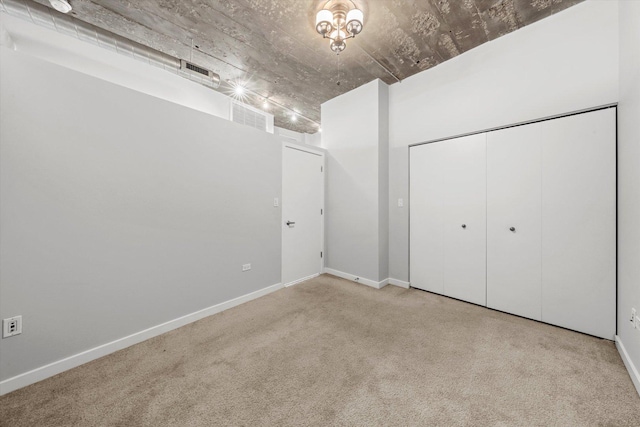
(465, 218)
(513, 221)
(579, 222)
(426, 216)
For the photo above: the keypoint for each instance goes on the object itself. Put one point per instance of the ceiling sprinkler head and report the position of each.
(61, 5)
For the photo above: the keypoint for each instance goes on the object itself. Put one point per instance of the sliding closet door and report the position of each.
(448, 218)
(513, 221)
(465, 220)
(426, 252)
(579, 222)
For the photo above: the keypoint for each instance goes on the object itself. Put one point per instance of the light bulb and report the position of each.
(355, 21)
(323, 22)
(239, 90)
(61, 5)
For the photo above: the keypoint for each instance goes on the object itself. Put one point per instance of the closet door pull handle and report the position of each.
(512, 229)
(464, 225)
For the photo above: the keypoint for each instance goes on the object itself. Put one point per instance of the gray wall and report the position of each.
(383, 180)
(120, 211)
(629, 178)
(560, 64)
(356, 184)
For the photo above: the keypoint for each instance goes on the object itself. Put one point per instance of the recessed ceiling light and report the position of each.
(61, 5)
(294, 118)
(239, 89)
(265, 104)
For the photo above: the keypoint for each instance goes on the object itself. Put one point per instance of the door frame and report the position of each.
(317, 152)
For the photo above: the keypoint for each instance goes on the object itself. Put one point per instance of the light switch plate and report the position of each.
(246, 267)
(276, 202)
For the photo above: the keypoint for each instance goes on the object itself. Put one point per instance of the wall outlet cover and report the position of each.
(11, 326)
(246, 267)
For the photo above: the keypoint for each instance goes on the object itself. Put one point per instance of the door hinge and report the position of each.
(320, 211)
(320, 254)
(321, 169)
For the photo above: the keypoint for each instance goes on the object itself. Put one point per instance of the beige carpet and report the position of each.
(331, 352)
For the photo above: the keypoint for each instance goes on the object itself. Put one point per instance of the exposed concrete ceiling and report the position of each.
(272, 46)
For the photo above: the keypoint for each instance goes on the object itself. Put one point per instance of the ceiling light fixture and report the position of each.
(338, 22)
(61, 5)
(239, 90)
(294, 117)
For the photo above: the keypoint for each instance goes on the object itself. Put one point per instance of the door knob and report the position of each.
(512, 229)
(290, 223)
(464, 225)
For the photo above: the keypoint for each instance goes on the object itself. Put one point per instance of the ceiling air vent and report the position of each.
(248, 116)
(193, 69)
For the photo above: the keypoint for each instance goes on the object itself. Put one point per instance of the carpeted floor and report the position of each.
(331, 352)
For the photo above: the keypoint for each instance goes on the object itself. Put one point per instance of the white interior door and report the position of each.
(465, 218)
(579, 222)
(302, 205)
(426, 216)
(448, 218)
(513, 221)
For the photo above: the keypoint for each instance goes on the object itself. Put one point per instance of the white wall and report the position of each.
(383, 181)
(120, 211)
(314, 139)
(286, 135)
(629, 179)
(560, 64)
(354, 221)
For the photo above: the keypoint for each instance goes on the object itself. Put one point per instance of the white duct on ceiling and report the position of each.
(65, 24)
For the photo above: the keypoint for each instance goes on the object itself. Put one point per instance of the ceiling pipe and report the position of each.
(68, 25)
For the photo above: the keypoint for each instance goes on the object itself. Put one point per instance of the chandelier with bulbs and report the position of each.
(339, 21)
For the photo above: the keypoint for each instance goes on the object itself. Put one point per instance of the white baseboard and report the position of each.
(357, 279)
(400, 283)
(67, 363)
(631, 368)
(304, 279)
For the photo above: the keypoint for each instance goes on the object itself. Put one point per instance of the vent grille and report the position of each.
(197, 69)
(184, 65)
(249, 117)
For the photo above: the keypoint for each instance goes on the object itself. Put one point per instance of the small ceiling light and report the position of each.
(294, 117)
(61, 5)
(265, 104)
(239, 90)
(336, 42)
(338, 21)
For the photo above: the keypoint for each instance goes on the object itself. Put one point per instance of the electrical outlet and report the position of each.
(633, 317)
(400, 203)
(276, 202)
(11, 326)
(246, 267)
